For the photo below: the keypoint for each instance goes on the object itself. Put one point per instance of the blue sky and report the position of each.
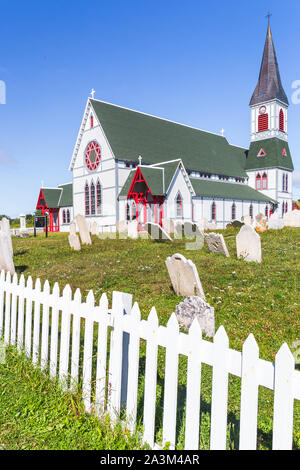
(194, 62)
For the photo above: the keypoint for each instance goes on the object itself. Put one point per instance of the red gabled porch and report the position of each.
(53, 212)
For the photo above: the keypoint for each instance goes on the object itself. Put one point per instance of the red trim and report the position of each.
(263, 122)
(281, 121)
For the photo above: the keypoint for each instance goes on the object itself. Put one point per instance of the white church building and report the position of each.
(131, 165)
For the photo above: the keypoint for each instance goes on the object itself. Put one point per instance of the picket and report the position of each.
(75, 340)
(133, 366)
(101, 356)
(171, 382)
(249, 395)
(150, 378)
(219, 398)
(88, 352)
(14, 299)
(65, 336)
(193, 387)
(45, 327)
(19, 302)
(20, 334)
(7, 310)
(54, 331)
(36, 323)
(28, 317)
(283, 399)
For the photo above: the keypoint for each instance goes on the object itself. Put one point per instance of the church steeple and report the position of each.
(269, 103)
(269, 86)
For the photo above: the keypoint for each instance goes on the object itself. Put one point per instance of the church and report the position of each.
(129, 165)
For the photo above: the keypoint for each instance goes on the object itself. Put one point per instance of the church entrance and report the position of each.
(142, 204)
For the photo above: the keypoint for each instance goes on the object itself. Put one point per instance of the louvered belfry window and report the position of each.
(263, 122)
(281, 121)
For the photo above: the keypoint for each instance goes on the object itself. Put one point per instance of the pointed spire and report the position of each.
(269, 84)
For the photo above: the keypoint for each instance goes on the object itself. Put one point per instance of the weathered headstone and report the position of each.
(202, 224)
(133, 229)
(216, 243)
(6, 257)
(22, 222)
(121, 226)
(248, 244)
(74, 242)
(83, 230)
(261, 222)
(195, 307)
(94, 228)
(184, 276)
(275, 223)
(292, 218)
(5, 227)
(157, 232)
(178, 229)
(168, 225)
(191, 229)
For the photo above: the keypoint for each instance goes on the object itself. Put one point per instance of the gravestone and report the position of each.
(22, 222)
(73, 238)
(83, 230)
(261, 222)
(275, 223)
(6, 257)
(5, 227)
(94, 228)
(184, 276)
(248, 244)
(202, 224)
(133, 229)
(178, 229)
(157, 232)
(247, 219)
(292, 218)
(216, 244)
(121, 226)
(195, 307)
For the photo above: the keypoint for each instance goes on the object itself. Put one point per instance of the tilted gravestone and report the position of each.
(83, 230)
(157, 232)
(248, 244)
(292, 218)
(6, 257)
(73, 238)
(184, 276)
(216, 244)
(195, 307)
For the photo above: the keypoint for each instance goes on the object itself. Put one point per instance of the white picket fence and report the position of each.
(48, 327)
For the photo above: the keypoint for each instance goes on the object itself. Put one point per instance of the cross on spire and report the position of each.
(269, 16)
(93, 93)
(222, 132)
(140, 159)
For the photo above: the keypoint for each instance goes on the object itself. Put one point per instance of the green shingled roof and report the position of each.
(52, 196)
(157, 177)
(216, 189)
(131, 133)
(66, 198)
(274, 158)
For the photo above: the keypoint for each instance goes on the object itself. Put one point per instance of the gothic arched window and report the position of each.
(264, 181)
(93, 201)
(68, 216)
(213, 211)
(251, 211)
(233, 211)
(99, 198)
(92, 121)
(258, 181)
(64, 216)
(179, 211)
(87, 199)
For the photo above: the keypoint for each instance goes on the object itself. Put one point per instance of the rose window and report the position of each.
(92, 156)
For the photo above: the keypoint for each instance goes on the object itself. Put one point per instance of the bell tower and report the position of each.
(269, 103)
(269, 163)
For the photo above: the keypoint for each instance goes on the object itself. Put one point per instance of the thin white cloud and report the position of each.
(296, 179)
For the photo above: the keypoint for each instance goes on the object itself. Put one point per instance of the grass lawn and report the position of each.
(262, 299)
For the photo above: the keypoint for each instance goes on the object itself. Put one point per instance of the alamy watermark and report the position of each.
(2, 92)
(296, 94)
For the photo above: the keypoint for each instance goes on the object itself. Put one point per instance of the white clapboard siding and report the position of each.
(30, 318)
